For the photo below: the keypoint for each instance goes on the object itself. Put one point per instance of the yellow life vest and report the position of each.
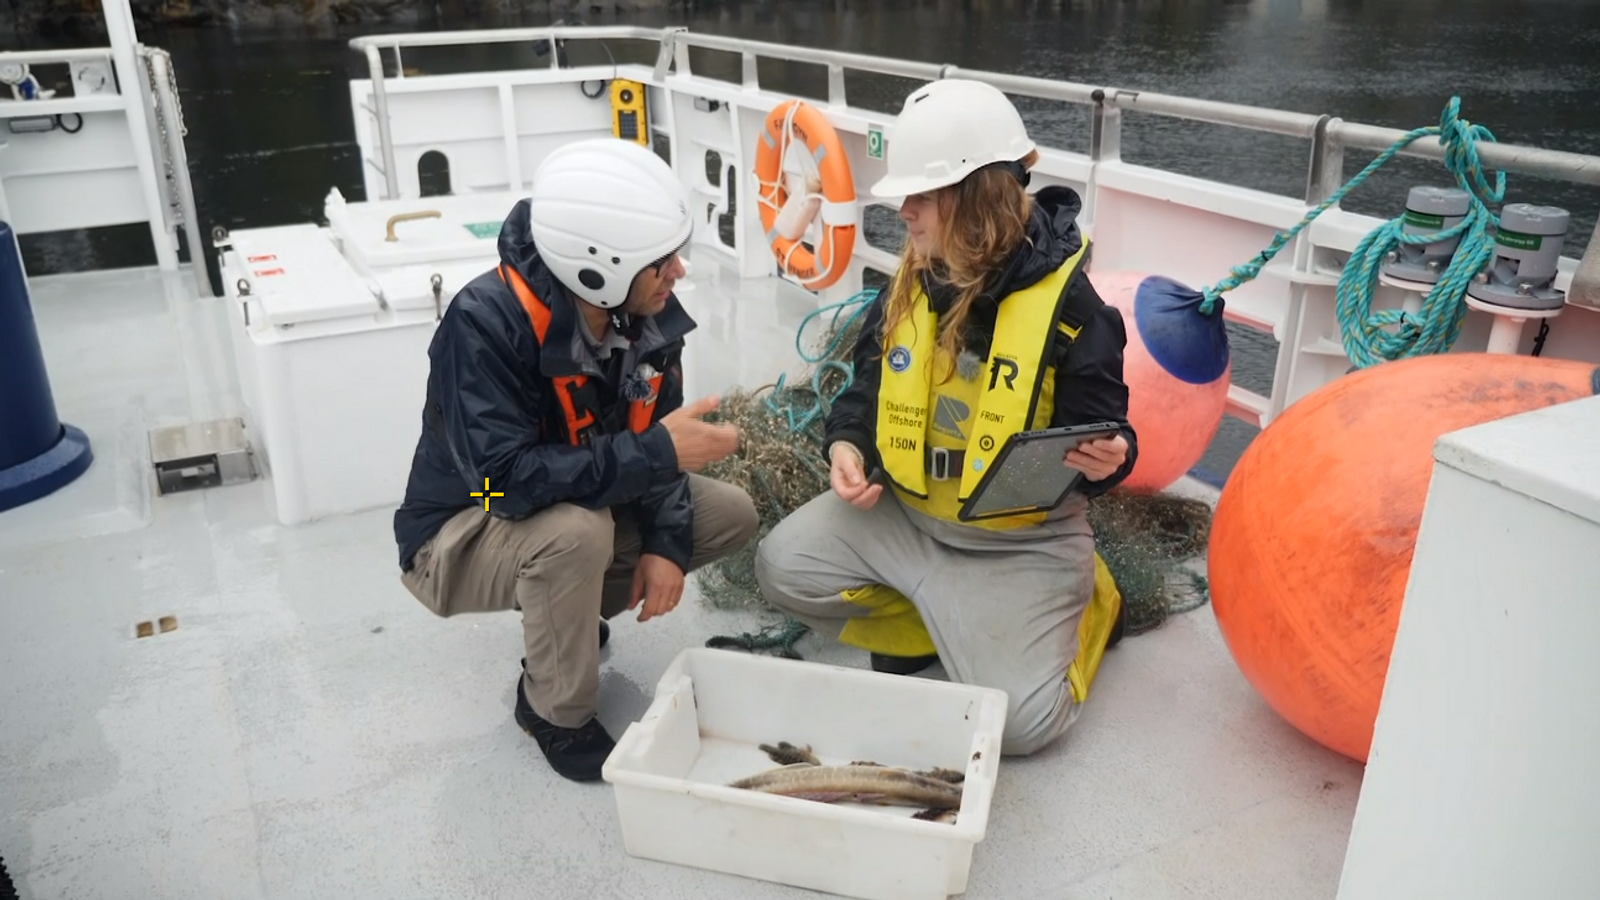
(1014, 391)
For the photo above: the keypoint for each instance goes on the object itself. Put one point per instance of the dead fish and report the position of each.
(936, 815)
(787, 754)
(863, 784)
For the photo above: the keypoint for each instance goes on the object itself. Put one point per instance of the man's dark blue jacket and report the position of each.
(491, 413)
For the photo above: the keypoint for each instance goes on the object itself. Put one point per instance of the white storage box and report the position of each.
(712, 710)
(457, 240)
(334, 361)
(333, 383)
(427, 230)
(295, 276)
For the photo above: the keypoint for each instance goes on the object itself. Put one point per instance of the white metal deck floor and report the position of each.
(310, 731)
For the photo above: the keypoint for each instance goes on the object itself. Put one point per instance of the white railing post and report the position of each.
(120, 29)
(380, 112)
(163, 86)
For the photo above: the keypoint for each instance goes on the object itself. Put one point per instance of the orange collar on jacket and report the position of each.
(572, 390)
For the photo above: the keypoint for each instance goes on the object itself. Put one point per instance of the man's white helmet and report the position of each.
(603, 209)
(946, 131)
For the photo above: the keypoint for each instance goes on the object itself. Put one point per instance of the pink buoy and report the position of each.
(1177, 368)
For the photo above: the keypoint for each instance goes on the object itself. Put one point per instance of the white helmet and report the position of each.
(603, 209)
(946, 131)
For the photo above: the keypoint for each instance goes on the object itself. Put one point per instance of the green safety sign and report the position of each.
(875, 142)
(484, 229)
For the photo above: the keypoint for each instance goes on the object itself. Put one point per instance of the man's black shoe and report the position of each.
(575, 753)
(1118, 626)
(902, 665)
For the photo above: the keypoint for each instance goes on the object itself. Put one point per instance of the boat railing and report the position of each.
(372, 47)
(64, 55)
(1330, 135)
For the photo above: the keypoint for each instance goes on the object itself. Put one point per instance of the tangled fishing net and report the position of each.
(1145, 540)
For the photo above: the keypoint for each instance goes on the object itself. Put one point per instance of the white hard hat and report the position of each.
(946, 131)
(603, 209)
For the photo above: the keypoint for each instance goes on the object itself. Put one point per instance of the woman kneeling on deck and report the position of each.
(990, 317)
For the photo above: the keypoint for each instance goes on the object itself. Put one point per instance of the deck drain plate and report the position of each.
(201, 455)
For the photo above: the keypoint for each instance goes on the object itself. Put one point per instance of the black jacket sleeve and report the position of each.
(1089, 386)
(665, 512)
(854, 414)
(489, 414)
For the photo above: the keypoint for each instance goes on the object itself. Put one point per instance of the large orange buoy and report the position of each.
(1177, 369)
(1312, 539)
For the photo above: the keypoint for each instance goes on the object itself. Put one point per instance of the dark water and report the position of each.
(270, 129)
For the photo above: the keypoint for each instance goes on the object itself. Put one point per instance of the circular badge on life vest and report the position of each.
(899, 359)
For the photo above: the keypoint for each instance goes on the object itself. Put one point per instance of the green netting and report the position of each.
(1146, 540)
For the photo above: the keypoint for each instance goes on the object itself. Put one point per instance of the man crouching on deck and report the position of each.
(550, 474)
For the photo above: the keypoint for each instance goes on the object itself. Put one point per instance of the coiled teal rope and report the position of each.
(1435, 327)
(802, 420)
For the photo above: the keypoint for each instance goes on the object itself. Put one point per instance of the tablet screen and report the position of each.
(1031, 477)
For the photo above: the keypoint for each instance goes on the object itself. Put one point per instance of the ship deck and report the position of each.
(308, 730)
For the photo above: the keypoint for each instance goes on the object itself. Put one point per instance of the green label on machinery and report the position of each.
(1516, 240)
(1424, 220)
(483, 229)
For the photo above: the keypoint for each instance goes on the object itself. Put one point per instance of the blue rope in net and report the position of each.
(1434, 327)
(781, 402)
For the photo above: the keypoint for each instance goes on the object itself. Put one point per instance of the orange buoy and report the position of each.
(1312, 539)
(796, 120)
(1177, 368)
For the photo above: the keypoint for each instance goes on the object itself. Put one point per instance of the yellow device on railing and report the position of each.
(628, 119)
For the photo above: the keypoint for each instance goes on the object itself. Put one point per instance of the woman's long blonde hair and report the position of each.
(982, 220)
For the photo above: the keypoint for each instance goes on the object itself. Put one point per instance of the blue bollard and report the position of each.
(38, 453)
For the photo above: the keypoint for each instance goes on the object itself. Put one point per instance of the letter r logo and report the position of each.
(1010, 373)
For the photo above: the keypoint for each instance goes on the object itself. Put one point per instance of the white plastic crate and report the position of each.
(712, 710)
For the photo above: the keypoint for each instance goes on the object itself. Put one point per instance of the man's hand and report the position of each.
(849, 478)
(659, 583)
(698, 444)
(1098, 459)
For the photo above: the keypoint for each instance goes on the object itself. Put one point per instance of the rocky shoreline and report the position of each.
(68, 18)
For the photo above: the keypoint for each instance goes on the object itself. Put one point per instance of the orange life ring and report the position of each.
(808, 125)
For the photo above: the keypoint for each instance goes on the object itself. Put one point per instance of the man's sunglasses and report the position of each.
(662, 263)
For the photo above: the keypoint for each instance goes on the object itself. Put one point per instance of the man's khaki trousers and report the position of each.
(566, 567)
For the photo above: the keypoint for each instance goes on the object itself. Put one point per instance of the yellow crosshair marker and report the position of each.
(485, 494)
